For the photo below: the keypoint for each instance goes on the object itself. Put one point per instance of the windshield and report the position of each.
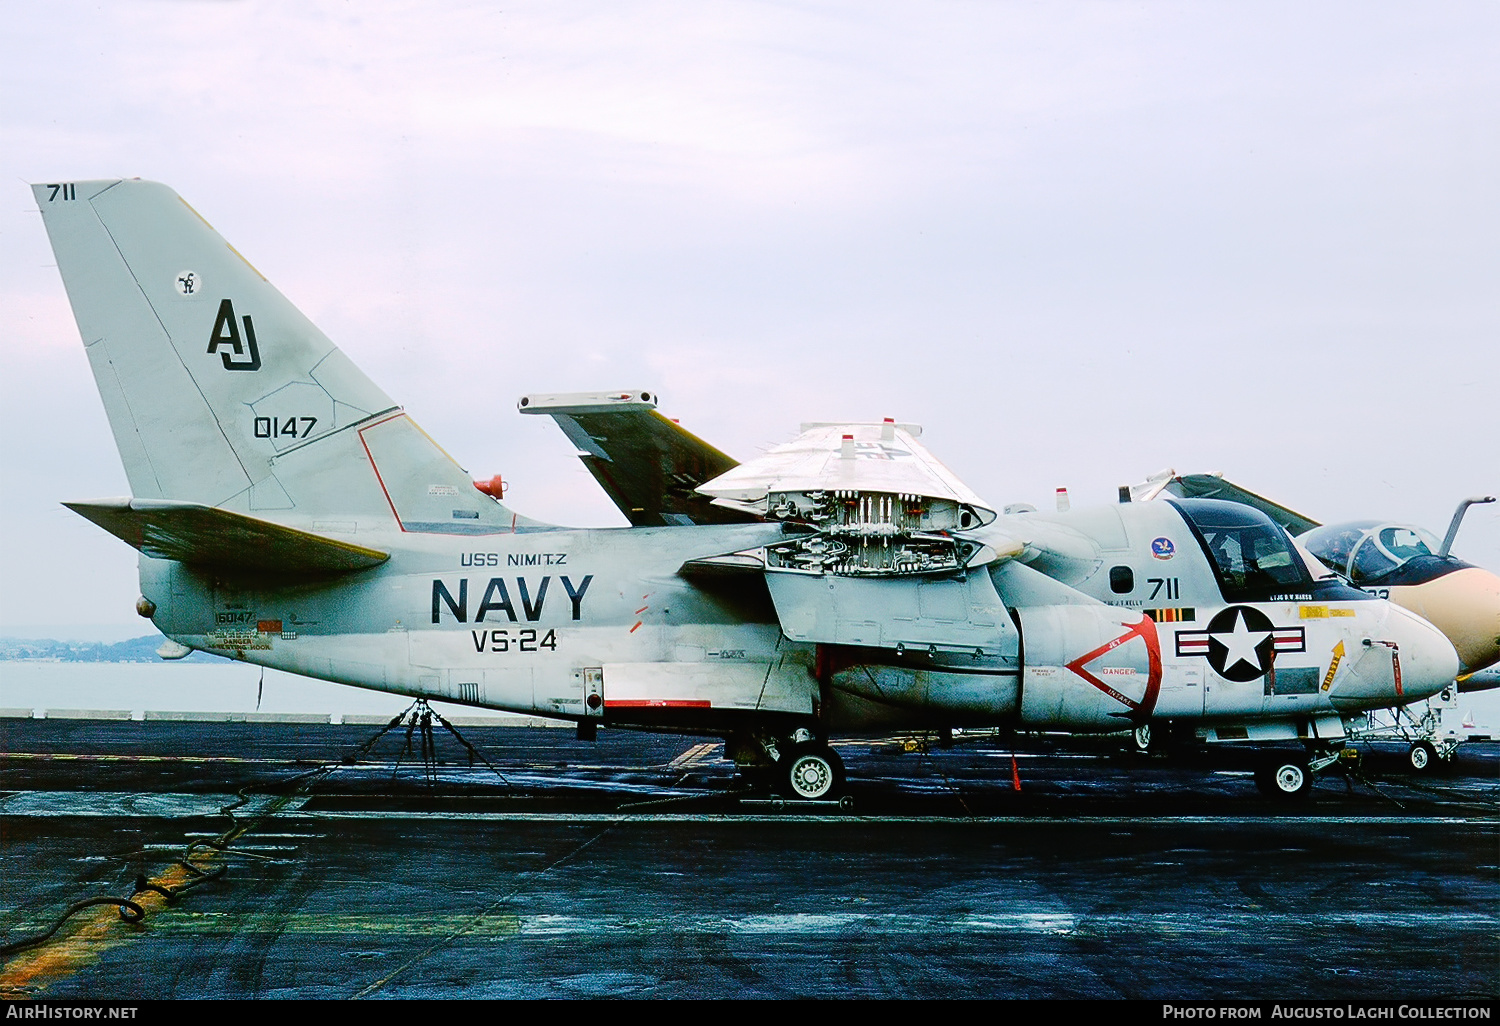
(1369, 550)
(1334, 544)
(1383, 550)
(1251, 555)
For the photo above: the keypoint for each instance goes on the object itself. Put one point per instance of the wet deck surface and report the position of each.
(635, 867)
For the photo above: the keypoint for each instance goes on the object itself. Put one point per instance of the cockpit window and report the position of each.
(1370, 561)
(1369, 550)
(1251, 555)
(1406, 542)
(1335, 544)
(1389, 547)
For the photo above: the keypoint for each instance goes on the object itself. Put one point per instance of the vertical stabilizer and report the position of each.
(218, 390)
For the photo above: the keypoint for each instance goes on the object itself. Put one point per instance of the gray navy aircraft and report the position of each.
(288, 513)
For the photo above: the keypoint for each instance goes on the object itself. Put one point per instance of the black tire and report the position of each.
(1286, 778)
(1422, 757)
(811, 771)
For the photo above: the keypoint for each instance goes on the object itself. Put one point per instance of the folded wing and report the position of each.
(648, 465)
(1213, 486)
(877, 461)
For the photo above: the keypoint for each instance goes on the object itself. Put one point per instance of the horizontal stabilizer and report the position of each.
(204, 536)
(647, 464)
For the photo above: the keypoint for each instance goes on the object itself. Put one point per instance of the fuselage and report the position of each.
(290, 514)
(1241, 637)
(602, 623)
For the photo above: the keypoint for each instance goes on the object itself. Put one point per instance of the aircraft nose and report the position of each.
(1464, 605)
(1394, 659)
(1429, 662)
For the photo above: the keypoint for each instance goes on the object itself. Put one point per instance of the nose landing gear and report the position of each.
(1422, 756)
(1289, 775)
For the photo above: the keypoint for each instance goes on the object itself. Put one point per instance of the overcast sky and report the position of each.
(1079, 242)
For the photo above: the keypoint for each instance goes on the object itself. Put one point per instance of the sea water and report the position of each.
(217, 687)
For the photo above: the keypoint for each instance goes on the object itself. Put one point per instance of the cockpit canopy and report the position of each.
(1377, 552)
(1253, 557)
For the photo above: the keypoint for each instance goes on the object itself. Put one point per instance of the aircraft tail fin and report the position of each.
(220, 392)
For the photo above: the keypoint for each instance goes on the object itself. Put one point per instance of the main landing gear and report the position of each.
(811, 771)
(799, 766)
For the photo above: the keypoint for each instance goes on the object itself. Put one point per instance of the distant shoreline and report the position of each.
(50, 650)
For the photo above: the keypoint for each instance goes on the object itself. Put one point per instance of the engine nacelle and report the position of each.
(1087, 667)
(871, 695)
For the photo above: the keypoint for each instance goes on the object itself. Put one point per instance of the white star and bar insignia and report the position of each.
(1241, 642)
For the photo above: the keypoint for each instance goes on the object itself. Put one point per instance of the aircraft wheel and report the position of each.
(1142, 738)
(1422, 757)
(811, 771)
(1284, 778)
